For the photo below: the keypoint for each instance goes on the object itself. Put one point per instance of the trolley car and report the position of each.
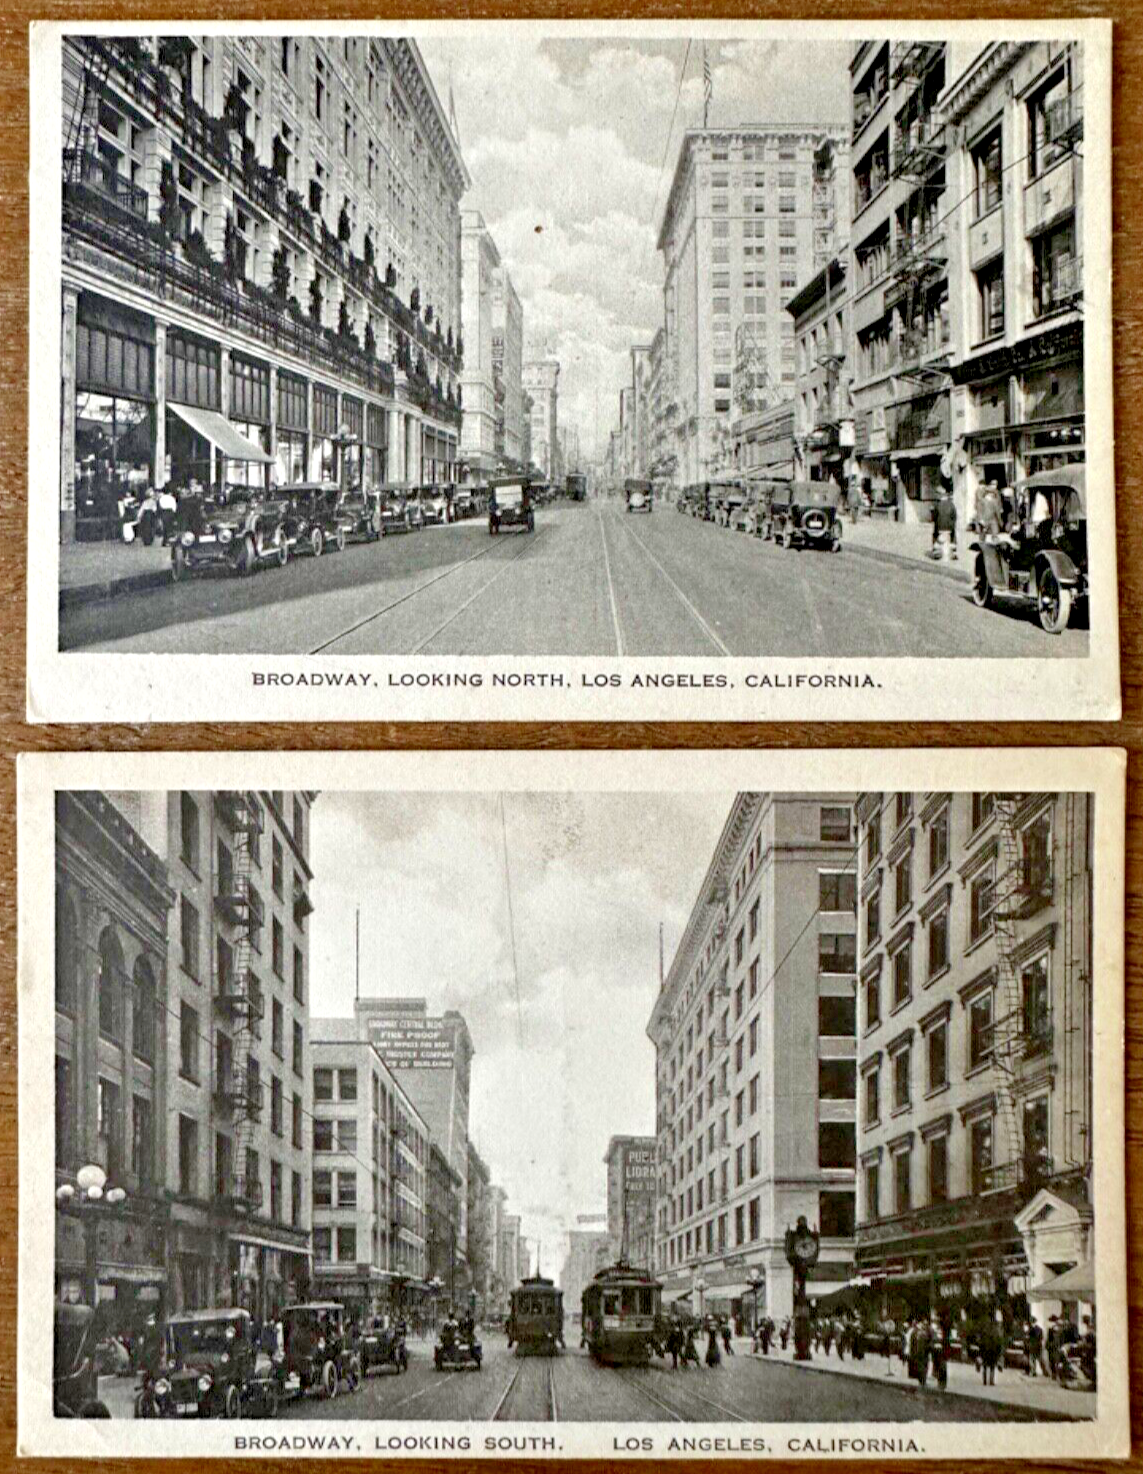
(536, 1322)
(620, 1310)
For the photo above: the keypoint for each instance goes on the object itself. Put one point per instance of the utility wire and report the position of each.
(666, 149)
(511, 923)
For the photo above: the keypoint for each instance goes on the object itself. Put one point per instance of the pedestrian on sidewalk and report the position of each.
(767, 1334)
(991, 1350)
(726, 1338)
(690, 1351)
(675, 1345)
(784, 1333)
(938, 1350)
(917, 1351)
(713, 1359)
(944, 521)
(1034, 1340)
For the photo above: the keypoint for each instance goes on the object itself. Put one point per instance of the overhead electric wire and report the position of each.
(511, 923)
(667, 147)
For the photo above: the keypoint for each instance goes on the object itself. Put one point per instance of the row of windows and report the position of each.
(835, 1220)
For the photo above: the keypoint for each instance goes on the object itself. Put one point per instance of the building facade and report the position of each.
(823, 406)
(589, 1250)
(431, 1057)
(755, 1039)
(479, 265)
(763, 445)
(444, 1185)
(510, 1256)
(749, 216)
(369, 1177)
(631, 1178)
(508, 367)
(481, 1259)
(1014, 118)
(541, 377)
(113, 901)
(260, 269)
(974, 1052)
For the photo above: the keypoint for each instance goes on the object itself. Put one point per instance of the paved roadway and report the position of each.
(591, 580)
(572, 1388)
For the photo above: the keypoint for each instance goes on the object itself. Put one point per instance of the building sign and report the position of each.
(413, 1043)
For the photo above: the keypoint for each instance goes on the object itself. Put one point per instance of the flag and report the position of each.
(707, 86)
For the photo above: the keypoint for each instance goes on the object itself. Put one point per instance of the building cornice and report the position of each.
(975, 82)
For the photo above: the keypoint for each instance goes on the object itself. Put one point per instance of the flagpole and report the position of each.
(707, 87)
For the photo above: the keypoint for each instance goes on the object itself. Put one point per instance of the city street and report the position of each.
(590, 581)
(573, 1388)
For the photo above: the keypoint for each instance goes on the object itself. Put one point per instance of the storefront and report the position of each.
(194, 381)
(438, 456)
(114, 412)
(376, 455)
(323, 450)
(353, 424)
(293, 427)
(250, 416)
(918, 461)
(130, 1272)
(265, 1276)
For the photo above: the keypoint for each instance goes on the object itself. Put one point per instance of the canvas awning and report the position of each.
(221, 433)
(1077, 1283)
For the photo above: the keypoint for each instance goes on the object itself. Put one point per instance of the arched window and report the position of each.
(67, 952)
(111, 970)
(143, 1031)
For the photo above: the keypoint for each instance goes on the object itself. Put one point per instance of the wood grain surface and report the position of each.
(16, 736)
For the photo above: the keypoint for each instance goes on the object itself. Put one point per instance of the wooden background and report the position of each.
(16, 736)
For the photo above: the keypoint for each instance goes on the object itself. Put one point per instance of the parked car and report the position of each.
(319, 1352)
(312, 521)
(151, 513)
(510, 504)
(394, 509)
(463, 504)
(75, 1382)
(808, 514)
(383, 1348)
(434, 506)
(208, 1366)
(361, 512)
(238, 531)
(764, 494)
(415, 511)
(1037, 552)
(640, 495)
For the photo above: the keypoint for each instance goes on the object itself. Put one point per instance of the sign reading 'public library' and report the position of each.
(413, 1044)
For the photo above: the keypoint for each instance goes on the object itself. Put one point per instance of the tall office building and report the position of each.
(748, 218)
(260, 266)
(479, 265)
(508, 367)
(541, 383)
(631, 1177)
(755, 1038)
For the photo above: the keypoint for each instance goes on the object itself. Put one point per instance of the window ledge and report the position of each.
(979, 1069)
(936, 874)
(937, 1090)
(976, 943)
(901, 1110)
(997, 337)
(190, 1079)
(940, 973)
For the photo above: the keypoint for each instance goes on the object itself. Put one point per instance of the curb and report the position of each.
(903, 560)
(132, 583)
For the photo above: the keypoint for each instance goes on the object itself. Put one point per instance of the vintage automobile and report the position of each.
(319, 1348)
(434, 506)
(457, 1348)
(382, 1347)
(143, 516)
(394, 510)
(729, 504)
(208, 1367)
(312, 522)
(807, 514)
(415, 510)
(764, 493)
(510, 504)
(361, 512)
(75, 1383)
(239, 531)
(640, 495)
(1040, 555)
(463, 504)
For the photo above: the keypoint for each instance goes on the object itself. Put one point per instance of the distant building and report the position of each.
(762, 444)
(443, 1203)
(823, 407)
(481, 1252)
(589, 1249)
(631, 1175)
(479, 267)
(508, 367)
(510, 1257)
(541, 382)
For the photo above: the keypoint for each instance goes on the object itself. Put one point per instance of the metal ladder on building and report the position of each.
(1007, 1025)
(81, 124)
(1075, 1042)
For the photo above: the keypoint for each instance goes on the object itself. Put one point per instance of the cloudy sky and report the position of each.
(562, 1058)
(571, 150)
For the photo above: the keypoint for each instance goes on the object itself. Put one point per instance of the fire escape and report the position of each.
(238, 995)
(1025, 1038)
(81, 126)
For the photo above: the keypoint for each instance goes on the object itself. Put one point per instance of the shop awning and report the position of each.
(1077, 1283)
(221, 433)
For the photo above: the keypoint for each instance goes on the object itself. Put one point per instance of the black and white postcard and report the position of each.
(617, 1105)
(661, 369)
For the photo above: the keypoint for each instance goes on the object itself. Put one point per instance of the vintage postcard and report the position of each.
(753, 372)
(618, 1105)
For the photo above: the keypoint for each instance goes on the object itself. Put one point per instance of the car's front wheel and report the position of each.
(374, 529)
(232, 1405)
(317, 542)
(178, 563)
(1054, 603)
(248, 556)
(981, 587)
(282, 548)
(329, 1380)
(340, 539)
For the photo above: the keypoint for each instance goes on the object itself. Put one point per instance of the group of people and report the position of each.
(679, 1340)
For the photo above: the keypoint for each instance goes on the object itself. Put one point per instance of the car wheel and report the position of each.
(317, 542)
(247, 556)
(340, 539)
(232, 1406)
(95, 1409)
(329, 1381)
(835, 541)
(147, 529)
(374, 528)
(1054, 603)
(283, 548)
(353, 1375)
(531, 524)
(981, 588)
(145, 1407)
(178, 563)
(270, 1401)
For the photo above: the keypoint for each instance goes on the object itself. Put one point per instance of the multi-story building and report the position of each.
(627, 430)
(1013, 117)
(749, 210)
(898, 276)
(236, 1140)
(431, 1057)
(498, 1201)
(761, 445)
(507, 366)
(481, 1259)
(589, 1249)
(640, 409)
(261, 266)
(479, 265)
(510, 1251)
(111, 1061)
(754, 1032)
(659, 457)
(823, 410)
(631, 1180)
(527, 405)
(443, 1232)
(541, 378)
(974, 1053)
(370, 1158)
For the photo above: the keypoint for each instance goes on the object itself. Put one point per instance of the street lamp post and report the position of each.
(86, 1196)
(700, 1290)
(802, 1250)
(756, 1279)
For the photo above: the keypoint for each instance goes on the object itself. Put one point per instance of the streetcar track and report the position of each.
(494, 1416)
(619, 649)
(404, 599)
(553, 1409)
(712, 635)
(529, 543)
(428, 1387)
(727, 1412)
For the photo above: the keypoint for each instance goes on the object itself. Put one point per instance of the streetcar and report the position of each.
(536, 1320)
(577, 486)
(621, 1307)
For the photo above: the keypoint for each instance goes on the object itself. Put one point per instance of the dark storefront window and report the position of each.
(323, 453)
(376, 468)
(249, 390)
(353, 419)
(194, 372)
(292, 427)
(114, 454)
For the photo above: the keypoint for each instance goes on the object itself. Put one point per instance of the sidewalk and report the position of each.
(904, 543)
(99, 570)
(1013, 1388)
